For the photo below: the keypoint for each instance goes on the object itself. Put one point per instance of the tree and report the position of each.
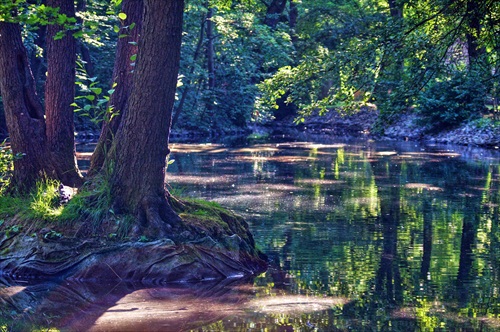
(138, 153)
(23, 111)
(274, 11)
(61, 62)
(126, 52)
(45, 141)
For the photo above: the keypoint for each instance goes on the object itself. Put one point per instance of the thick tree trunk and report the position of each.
(59, 95)
(123, 77)
(140, 148)
(23, 111)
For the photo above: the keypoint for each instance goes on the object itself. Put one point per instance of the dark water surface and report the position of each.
(361, 236)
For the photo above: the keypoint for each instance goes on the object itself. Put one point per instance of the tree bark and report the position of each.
(139, 150)
(474, 16)
(274, 11)
(123, 77)
(59, 95)
(23, 111)
(188, 84)
(210, 49)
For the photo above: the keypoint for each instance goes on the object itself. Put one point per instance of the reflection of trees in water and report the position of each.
(388, 277)
(411, 248)
(427, 239)
(466, 271)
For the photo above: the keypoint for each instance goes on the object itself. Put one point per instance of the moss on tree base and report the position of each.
(210, 244)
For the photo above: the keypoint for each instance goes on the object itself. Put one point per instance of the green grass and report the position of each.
(44, 203)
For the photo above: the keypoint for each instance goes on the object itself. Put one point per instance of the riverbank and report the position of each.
(481, 133)
(211, 243)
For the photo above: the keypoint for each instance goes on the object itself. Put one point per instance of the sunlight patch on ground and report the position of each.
(294, 304)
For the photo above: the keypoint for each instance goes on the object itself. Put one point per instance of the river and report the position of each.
(361, 236)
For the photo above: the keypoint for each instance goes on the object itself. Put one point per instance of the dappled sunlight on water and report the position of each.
(383, 236)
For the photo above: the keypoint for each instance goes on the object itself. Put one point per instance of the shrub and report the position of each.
(446, 104)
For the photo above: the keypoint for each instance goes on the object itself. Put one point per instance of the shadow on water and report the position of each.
(74, 306)
(362, 236)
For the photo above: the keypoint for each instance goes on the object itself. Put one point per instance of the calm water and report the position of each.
(361, 236)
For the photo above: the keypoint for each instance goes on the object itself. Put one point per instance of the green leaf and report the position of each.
(133, 57)
(59, 35)
(97, 91)
(122, 16)
(131, 26)
(87, 107)
(90, 97)
(116, 28)
(122, 36)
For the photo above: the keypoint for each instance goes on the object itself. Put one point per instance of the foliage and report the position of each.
(91, 102)
(44, 202)
(246, 51)
(449, 102)
(6, 165)
(6, 161)
(41, 205)
(383, 52)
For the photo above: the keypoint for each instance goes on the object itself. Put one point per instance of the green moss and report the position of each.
(210, 217)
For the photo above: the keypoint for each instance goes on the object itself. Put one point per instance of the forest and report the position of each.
(214, 68)
(247, 63)
(133, 77)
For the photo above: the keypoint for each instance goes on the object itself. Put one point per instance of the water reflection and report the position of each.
(407, 233)
(361, 236)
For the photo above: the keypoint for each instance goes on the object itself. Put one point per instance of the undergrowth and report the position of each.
(89, 208)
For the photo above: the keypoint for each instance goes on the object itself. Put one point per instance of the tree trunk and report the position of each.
(123, 77)
(3, 125)
(292, 21)
(59, 95)
(188, 84)
(210, 49)
(82, 49)
(23, 111)
(474, 16)
(274, 11)
(140, 148)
